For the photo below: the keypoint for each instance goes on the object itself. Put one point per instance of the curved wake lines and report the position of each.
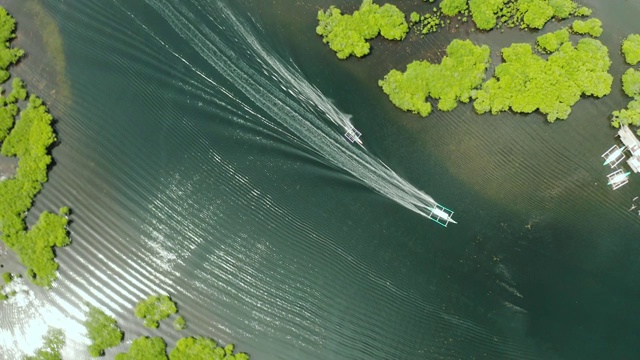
(293, 103)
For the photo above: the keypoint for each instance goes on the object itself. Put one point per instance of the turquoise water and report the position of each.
(202, 154)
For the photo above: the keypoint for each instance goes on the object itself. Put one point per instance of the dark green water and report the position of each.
(201, 153)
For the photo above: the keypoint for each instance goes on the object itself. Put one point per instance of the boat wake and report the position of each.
(280, 99)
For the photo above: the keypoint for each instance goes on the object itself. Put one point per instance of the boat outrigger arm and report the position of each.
(441, 215)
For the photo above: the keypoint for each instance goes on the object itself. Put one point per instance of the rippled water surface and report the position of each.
(202, 155)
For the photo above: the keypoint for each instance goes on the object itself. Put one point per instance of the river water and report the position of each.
(201, 153)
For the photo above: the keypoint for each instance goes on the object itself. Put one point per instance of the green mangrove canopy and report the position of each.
(348, 34)
(148, 348)
(631, 49)
(552, 41)
(461, 70)
(592, 27)
(525, 82)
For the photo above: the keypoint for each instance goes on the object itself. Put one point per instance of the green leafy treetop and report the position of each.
(145, 348)
(631, 87)
(552, 41)
(50, 230)
(200, 348)
(8, 113)
(53, 343)
(483, 12)
(414, 18)
(631, 83)
(18, 91)
(631, 49)
(563, 9)
(525, 82)
(592, 27)
(628, 116)
(453, 7)
(7, 277)
(8, 55)
(453, 80)
(155, 308)
(392, 23)
(29, 140)
(103, 331)
(583, 11)
(534, 13)
(348, 34)
(179, 323)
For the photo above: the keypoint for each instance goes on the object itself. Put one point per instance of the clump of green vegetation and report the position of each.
(453, 7)
(592, 27)
(53, 343)
(452, 80)
(8, 55)
(8, 113)
(628, 116)
(563, 9)
(8, 107)
(155, 308)
(631, 82)
(583, 11)
(551, 42)
(414, 18)
(631, 87)
(146, 348)
(49, 231)
(348, 34)
(428, 23)
(483, 12)
(18, 91)
(29, 140)
(179, 323)
(103, 331)
(7, 278)
(631, 49)
(532, 14)
(200, 348)
(525, 82)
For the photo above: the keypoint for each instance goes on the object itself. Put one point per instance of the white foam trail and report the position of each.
(306, 116)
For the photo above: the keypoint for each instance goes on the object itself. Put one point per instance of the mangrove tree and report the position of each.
(348, 34)
(525, 82)
(461, 70)
(154, 309)
(102, 330)
(145, 348)
(631, 49)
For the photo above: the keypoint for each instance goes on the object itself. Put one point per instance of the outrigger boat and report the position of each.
(441, 215)
(353, 135)
(614, 156)
(618, 178)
